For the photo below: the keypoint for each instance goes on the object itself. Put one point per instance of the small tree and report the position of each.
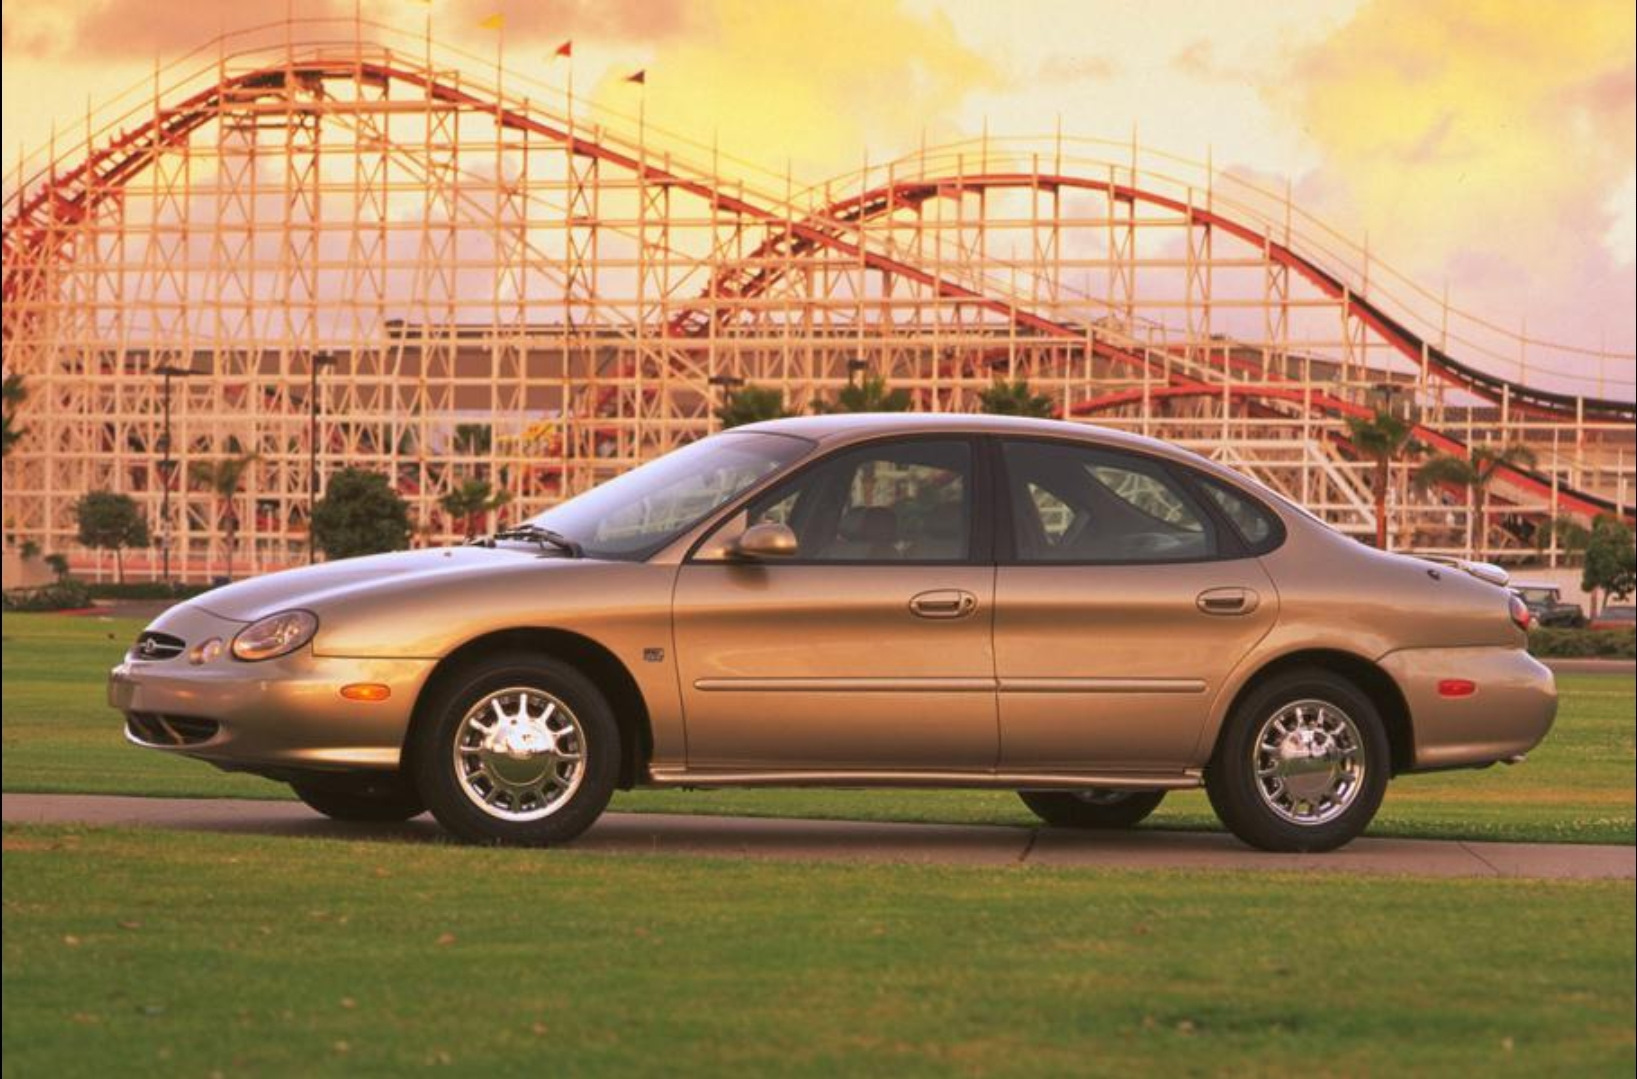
(471, 502)
(1005, 398)
(360, 514)
(1380, 438)
(868, 394)
(751, 404)
(58, 564)
(1611, 560)
(111, 522)
(14, 393)
(1474, 472)
(223, 478)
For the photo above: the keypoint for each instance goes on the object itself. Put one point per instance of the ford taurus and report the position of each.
(1089, 618)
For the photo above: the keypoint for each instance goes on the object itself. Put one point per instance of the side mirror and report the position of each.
(764, 541)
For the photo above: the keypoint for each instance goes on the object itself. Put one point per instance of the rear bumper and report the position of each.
(1511, 711)
(285, 714)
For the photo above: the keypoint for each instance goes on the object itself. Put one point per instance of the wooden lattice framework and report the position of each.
(496, 284)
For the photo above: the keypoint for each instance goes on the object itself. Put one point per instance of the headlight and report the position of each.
(275, 635)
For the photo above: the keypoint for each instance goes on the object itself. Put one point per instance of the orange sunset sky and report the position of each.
(1488, 146)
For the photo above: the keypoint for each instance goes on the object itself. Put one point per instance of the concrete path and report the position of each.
(933, 844)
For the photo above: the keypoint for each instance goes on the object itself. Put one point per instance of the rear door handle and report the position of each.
(1228, 600)
(943, 603)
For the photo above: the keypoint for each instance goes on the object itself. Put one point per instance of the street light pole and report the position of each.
(166, 467)
(319, 359)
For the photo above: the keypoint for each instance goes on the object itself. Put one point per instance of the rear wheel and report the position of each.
(1101, 808)
(518, 749)
(1302, 764)
(386, 802)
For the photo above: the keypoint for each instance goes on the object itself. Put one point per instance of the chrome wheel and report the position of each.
(519, 754)
(1309, 762)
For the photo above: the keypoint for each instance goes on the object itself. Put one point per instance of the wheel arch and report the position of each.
(1369, 677)
(590, 657)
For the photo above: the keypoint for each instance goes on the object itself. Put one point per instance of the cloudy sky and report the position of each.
(1484, 145)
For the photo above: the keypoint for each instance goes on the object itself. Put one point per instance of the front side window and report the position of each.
(896, 502)
(1086, 504)
(636, 514)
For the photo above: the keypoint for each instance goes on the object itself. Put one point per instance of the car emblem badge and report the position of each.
(654, 655)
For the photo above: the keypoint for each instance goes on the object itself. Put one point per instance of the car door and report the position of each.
(870, 648)
(1125, 596)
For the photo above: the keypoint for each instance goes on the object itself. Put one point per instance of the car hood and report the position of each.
(316, 586)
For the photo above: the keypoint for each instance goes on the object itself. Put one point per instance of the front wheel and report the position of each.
(1100, 808)
(518, 749)
(1302, 764)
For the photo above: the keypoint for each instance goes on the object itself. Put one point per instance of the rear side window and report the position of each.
(1255, 524)
(1073, 503)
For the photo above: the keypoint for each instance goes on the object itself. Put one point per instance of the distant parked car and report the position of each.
(1546, 606)
(1618, 616)
(1083, 616)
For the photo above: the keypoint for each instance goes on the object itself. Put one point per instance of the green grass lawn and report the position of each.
(150, 952)
(1579, 786)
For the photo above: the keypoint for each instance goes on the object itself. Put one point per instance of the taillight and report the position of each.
(1520, 613)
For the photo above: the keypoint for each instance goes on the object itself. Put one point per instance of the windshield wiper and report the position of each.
(536, 534)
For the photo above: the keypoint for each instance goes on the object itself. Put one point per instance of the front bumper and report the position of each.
(285, 714)
(1511, 711)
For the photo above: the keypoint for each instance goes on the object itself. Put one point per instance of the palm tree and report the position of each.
(15, 393)
(751, 404)
(868, 394)
(1564, 532)
(1015, 399)
(223, 477)
(473, 439)
(1381, 437)
(1474, 472)
(472, 501)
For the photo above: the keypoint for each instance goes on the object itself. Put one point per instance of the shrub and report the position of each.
(147, 590)
(1583, 643)
(67, 594)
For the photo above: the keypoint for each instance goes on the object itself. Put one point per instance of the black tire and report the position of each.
(433, 751)
(385, 802)
(1235, 790)
(1092, 809)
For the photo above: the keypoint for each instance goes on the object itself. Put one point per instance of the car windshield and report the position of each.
(634, 515)
(1538, 595)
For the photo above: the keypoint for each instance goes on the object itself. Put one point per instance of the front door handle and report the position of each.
(943, 603)
(1228, 600)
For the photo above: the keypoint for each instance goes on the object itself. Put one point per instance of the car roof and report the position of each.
(859, 426)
